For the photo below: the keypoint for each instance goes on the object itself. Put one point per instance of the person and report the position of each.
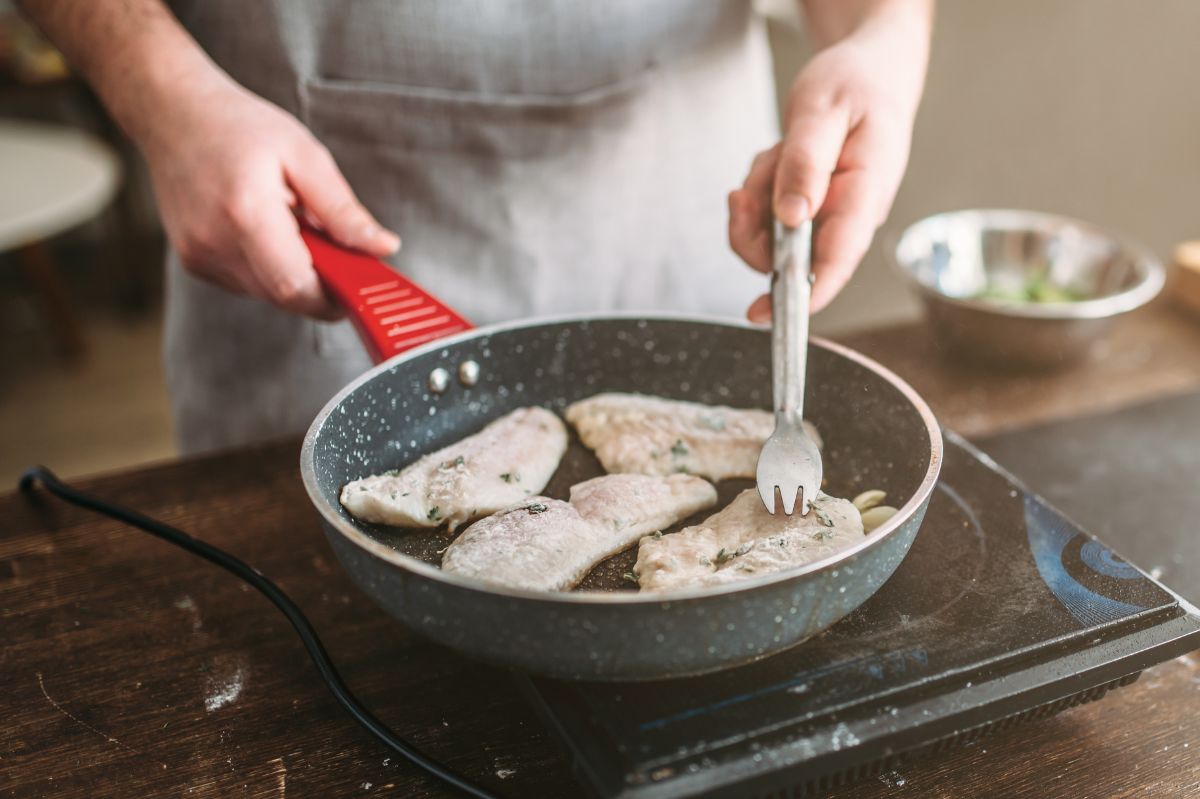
(538, 156)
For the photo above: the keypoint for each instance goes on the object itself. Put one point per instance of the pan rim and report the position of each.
(606, 598)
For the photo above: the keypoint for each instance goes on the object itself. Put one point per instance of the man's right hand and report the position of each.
(230, 172)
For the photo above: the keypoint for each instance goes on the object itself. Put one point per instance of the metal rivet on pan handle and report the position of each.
(439, 380)
(468, 373)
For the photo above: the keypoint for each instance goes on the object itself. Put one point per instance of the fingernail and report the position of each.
(389, 240)
(378, 236)
(792, 209)
(820, 302)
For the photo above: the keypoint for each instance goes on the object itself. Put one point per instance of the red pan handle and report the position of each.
(390, 312)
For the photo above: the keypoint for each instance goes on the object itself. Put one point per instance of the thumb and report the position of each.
(330, 202)
(810, 153)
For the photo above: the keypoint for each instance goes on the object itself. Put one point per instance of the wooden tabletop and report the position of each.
(129, 668)
(1152, 353)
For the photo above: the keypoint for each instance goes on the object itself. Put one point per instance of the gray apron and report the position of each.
(536, 157)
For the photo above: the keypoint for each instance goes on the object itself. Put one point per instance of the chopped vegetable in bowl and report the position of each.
(1034, 288)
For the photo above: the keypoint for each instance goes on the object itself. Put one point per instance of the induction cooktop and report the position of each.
(1003, 612)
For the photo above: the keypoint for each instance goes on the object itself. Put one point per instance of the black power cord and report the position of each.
(303, 627)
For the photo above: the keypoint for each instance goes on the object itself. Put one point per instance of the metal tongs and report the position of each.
(790, 463)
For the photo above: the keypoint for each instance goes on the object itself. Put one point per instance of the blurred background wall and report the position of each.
(1081, 107)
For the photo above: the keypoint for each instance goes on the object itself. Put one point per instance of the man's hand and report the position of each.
(847, 128)
(230, 171)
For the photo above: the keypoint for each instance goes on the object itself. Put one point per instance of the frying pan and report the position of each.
(877, 434)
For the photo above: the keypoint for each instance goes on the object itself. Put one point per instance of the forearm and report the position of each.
(898, 30)
(134, 53)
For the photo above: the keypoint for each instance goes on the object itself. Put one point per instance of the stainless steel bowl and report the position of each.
(955, 257)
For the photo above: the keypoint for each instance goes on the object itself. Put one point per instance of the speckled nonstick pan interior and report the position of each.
(878, 434)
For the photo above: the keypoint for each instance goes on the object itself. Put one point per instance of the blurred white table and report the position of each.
(52, 178)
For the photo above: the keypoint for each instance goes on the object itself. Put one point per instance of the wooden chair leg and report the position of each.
(42, 273)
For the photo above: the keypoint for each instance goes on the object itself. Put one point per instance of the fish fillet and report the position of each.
(549, 545)
(639, 434)
(510, 459)
(743, 540)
